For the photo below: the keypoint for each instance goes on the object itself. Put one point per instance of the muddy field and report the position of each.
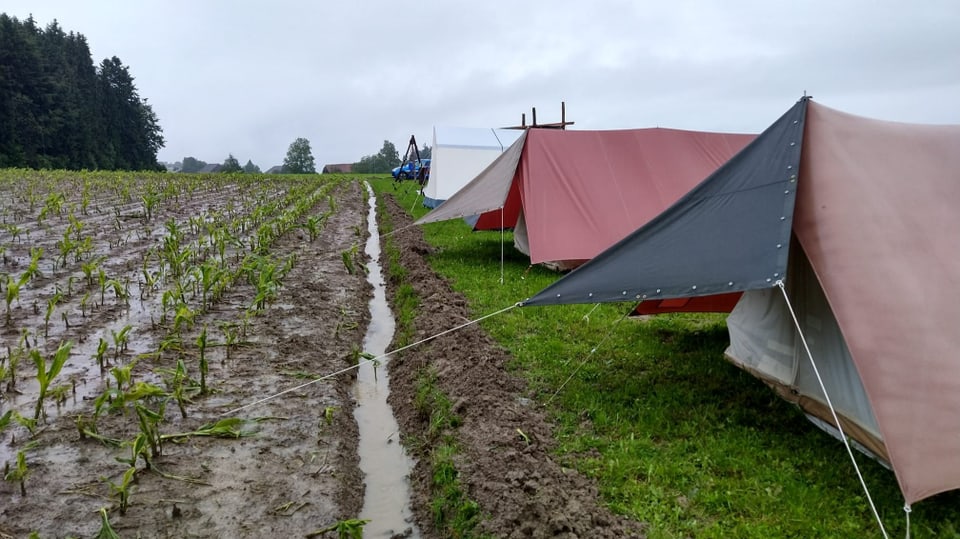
(112, 441)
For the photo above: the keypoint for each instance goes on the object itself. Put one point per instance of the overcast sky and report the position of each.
(248, 77)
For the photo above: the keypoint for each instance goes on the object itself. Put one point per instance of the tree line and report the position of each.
(58, 110)
(385, 160)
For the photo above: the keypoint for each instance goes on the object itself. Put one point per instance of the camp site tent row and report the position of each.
(570, 194)
(459, 154)
(858, 220)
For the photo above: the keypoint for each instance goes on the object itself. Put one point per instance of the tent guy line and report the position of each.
(377, 359)
(592, 351)
(833, 412)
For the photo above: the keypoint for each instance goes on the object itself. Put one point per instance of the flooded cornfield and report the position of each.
(144, 317)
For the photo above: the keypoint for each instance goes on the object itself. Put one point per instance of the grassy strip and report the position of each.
(454, 513)
(405, 299)
(675, 435)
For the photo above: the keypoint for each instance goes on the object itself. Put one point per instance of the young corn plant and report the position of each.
(12, 293)
(202, 345)
(149, 422)
(120, 340)
(106, 530)
(231, 334)
(180, 386)
(46, 375)
(18, 473)
(101, 351)
(51, 305)
(122, 490)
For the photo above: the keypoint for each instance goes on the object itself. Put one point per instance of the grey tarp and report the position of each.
(738, 220)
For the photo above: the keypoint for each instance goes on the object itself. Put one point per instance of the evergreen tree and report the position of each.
(59, 111)
(299, 160)
(250, 168)
(230, 164)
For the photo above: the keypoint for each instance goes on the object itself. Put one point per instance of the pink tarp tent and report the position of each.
(570, 194)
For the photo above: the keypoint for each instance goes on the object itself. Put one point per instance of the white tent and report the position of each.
(459, 154)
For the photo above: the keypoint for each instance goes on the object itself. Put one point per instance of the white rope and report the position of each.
(366, 361)
(591, 352)
(833, 412)
(907, 510)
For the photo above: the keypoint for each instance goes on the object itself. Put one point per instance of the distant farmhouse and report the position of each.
(276, 169)
(343, 168)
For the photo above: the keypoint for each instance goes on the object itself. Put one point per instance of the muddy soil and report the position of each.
(297, 474)
(521, 488)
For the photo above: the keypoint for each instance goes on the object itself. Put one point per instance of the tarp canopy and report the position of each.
(874, 211)
(581, 191)
(459, 154)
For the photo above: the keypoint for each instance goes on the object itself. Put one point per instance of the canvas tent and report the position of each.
(858, 219)
(570, 194)
(459, 154)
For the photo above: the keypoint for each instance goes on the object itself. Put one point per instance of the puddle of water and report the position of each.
(383, 460)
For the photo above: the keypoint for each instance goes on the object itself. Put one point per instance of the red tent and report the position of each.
(569, 195)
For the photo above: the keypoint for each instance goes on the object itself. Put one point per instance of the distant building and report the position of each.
(212, 167)
(278, 169)
(343, 168)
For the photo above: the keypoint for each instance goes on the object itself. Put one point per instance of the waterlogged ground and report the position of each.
(294, 470)
(297, 473)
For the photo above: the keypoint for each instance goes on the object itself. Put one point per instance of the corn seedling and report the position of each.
(149, 422)
(231, 427)
(120, 290)
(202, 345)
(18, 473)
(328, 414)
(122, 490)
(182, 319)
(230, 336)
(12, 293)
(347, 257)
(46, 375)
(101, 350)
(120, 341)
(106, 531)
(28, 423)
(179, 385)
(313, 225)
(33, 269)
(90, 268)
(138, 449)
(51, 305)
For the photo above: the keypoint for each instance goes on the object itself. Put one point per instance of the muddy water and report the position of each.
(382, 458)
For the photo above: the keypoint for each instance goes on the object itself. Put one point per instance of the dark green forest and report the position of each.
(58, 110)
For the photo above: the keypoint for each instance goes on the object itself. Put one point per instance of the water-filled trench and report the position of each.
(383, 461)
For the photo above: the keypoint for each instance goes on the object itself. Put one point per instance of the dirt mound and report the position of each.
(505, 459)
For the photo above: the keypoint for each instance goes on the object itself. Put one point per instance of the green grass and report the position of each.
(674, 434)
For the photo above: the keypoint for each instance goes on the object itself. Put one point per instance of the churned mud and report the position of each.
(521, 488)
(297, 469)
(297, 473)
